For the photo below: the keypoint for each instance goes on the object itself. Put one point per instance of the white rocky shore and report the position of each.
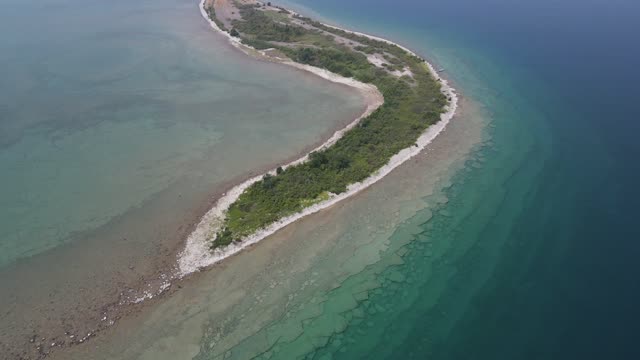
(197, 253)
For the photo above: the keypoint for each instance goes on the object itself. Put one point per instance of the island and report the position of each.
(413, 99)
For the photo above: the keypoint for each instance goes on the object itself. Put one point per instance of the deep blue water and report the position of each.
(535, 253)
(564, 284)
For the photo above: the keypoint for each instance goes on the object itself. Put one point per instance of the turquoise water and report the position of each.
(104, 105)
(533, 255)
(513, 237)
(119, 122)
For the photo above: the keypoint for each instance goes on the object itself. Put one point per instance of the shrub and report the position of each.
(408, 110)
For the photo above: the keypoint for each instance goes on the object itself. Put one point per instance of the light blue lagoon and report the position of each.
(119, 123)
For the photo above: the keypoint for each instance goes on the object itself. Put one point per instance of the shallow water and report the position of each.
(525, 250)
(513, 237)
(118, 122)
(105, 105)
(288, 276)
(531, 257)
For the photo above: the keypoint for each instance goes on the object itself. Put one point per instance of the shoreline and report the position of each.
(178, 280)
(131, 287)
(163, 280)
(176, 318)
(197, 254)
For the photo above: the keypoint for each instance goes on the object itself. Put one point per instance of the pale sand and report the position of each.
(197, 255)
(376, 60)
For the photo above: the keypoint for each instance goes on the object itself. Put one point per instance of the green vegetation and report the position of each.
(212, 15)
(256, 25)
(412, 104)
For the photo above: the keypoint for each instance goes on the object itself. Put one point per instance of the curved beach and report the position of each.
(197, 253)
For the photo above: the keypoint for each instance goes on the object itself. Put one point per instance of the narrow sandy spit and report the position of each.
(197, 255)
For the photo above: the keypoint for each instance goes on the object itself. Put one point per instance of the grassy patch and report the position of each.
(411, 106)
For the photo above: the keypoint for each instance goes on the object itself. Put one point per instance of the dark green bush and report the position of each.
(411, 106)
